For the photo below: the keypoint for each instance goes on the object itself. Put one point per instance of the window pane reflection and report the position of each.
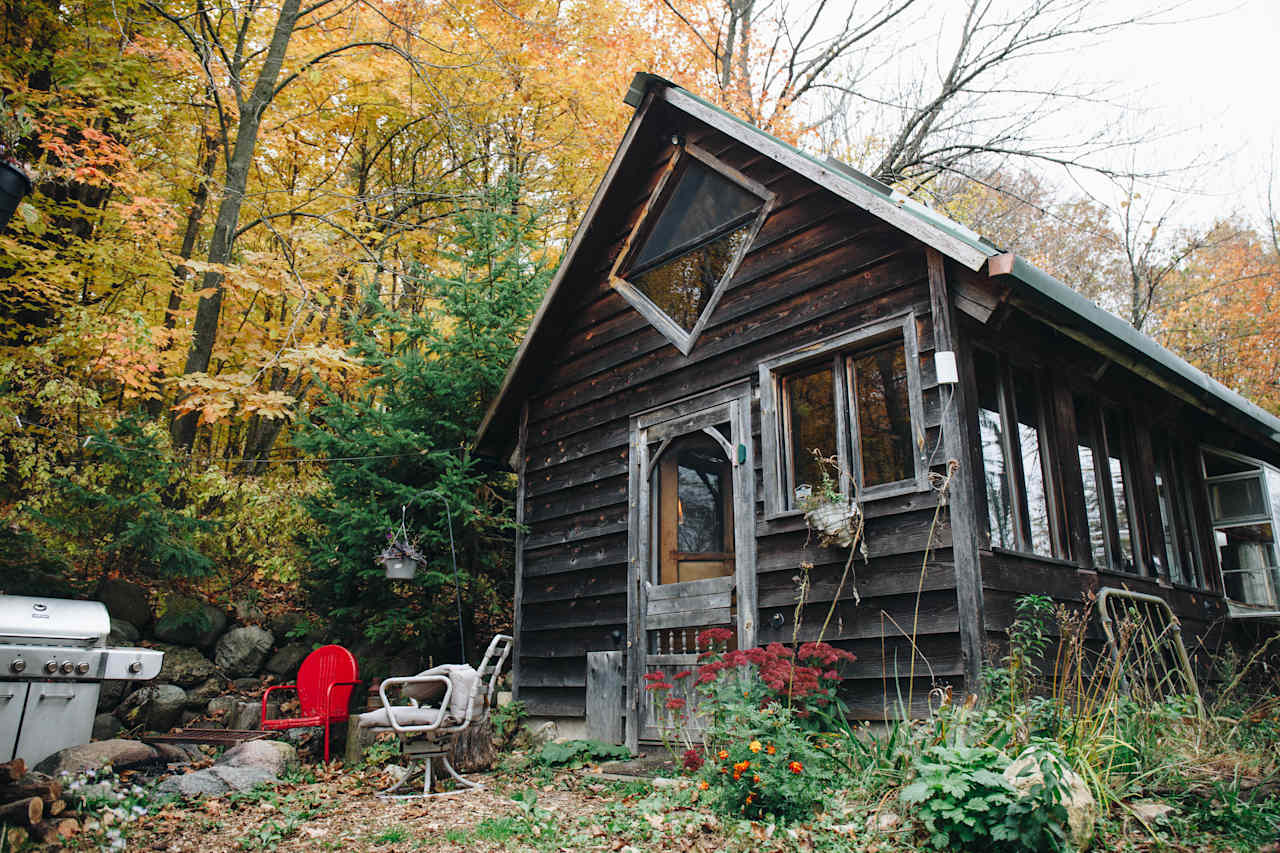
(1248, 555)
(1093, 505)
(811, 421)
(683, 286)
(994, 468)
(884, 415)
(1116, 469)
(1027, 402)
(1173, 550)
(700, 500)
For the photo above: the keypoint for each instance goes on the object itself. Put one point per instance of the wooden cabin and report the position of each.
(730, 304)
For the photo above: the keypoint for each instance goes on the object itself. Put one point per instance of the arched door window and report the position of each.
(693, 502)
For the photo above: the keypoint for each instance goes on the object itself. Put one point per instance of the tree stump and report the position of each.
(473, 749)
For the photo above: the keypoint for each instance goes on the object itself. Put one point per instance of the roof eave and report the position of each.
(1101, 324)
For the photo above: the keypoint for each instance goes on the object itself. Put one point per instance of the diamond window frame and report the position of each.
(681, 158)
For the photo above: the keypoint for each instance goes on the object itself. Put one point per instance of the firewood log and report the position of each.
(55, 828)
(16, 836)
(55, 808)
(48, 791)
(12, 771)
(22, 812)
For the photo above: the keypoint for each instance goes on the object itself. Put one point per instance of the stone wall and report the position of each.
(217, 663)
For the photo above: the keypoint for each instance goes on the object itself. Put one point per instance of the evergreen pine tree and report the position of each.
(434, 370)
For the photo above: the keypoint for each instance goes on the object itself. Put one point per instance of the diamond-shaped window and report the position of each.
(689, 242)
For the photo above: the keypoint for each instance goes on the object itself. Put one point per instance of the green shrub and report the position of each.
(575, 753)
(761, 763)
(965, 803)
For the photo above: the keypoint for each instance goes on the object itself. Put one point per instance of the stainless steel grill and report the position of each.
(53, 658)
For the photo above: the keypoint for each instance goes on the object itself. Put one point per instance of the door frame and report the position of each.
(732, 404)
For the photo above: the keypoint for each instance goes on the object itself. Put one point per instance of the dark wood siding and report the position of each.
(819, 267)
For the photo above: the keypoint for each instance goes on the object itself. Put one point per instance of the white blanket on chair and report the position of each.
(464, 683)
(406, 715)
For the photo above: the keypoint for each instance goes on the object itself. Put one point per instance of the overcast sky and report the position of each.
(1217, 76)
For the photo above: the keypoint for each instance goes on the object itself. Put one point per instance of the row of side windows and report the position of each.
(1024, 484)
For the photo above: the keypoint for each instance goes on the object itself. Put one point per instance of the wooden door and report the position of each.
(692, 544)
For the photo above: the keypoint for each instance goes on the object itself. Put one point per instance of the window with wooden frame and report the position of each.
(854, 398)
(1023, 513)
(1103, 445)
(693, 233)
(1244, 500)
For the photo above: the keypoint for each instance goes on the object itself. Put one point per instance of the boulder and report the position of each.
(247, 716)
(1082, 810)
(123, 633)
(287, 659)
(119, 753)
(199, 783)
(106, 726)
(111, 694)
(242, 778)
(273, 756)
(190, 621)
(242, 651)
(171, 754)
(203, 693)
(543, 732)
(127, 601)
(185, 666)
(222, 707)
(157, 707)
(247, 685)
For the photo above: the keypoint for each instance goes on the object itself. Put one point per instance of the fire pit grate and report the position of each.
(215, 737)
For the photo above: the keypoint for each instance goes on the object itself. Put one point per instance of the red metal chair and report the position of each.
(325, 682)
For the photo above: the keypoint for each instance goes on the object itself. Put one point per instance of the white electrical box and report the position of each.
(944, 362)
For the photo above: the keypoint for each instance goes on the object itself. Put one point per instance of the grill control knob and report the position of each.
(18, 665)
(82, 668)
(67, 666)
(135, 667)
(51, 666)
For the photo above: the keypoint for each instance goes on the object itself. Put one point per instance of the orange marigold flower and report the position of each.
(770, 749)
(724, 753)
(737, 774)
(754, 746)
(750, 797)
(741, 765)
(755, 777)
(703, 785)
(796, 767)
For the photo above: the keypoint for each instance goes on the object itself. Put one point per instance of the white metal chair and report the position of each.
(429, 733)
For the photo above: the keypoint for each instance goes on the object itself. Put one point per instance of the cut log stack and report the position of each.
(32, 807)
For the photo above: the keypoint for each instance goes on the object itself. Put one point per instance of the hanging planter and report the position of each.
(836, 521)
(14, 184)
(400, 561)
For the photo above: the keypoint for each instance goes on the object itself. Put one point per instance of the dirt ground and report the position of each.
(341, 811)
